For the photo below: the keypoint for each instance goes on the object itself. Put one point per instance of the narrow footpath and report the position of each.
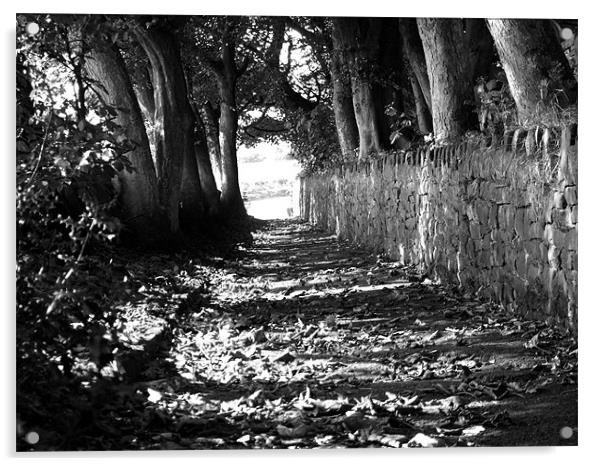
(307, 342)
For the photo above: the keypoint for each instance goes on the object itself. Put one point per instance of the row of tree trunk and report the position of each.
(444, 58)
(171, 188)
(173, 185)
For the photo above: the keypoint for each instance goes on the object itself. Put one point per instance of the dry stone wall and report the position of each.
(500, 221)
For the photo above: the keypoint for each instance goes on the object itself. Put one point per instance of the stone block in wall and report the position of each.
(521, 223)
(548, 276)
(559, 200)
(571, 276)
(498, 254)
(533, 272)
(519, 287)
(482, 210)
(571, 260)
(498, 290)
(559, 237)
(508, 293)
(484, 260)
(473, 188)
(497, 235)
(492, 219)
(561, 217)
(570, 194)
(571, 239)
(506, 216)
(543, 252)
(573, 215)
(475, 230)
(470, 248)
(561, 284)
(498, 193)
(471, 213)
(534, 215)
(548, 233)
(521, 263)
(536, 230)
(485, 229)
(554, 257)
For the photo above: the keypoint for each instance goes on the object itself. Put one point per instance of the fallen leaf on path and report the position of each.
(473, 431)
(421, 440)
(285, 358)
(153, 395)
(292, 432)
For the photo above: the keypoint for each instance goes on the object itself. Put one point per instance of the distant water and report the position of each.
(272, 207)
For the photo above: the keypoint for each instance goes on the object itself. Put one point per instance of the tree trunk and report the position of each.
(139, 199)
(414, 52)
(423, 114)
(210, 116)
(342, 98)
(451, 50)
(146, 99)
(211, 196)
(174, 128)
(360, 40)
(231, 198)
(192, 208)
(535, 65)
(144, 93)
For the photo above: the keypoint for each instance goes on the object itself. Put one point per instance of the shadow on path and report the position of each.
(307, 342)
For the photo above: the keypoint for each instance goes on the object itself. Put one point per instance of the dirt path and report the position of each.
(306, 342)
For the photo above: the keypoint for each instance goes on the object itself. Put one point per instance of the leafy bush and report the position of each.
(314, 140)
(66, 202)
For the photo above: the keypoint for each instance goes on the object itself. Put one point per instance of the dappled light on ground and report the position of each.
(299, 341)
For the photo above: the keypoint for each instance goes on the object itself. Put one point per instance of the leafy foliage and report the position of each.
(496, 107)
(313, 139)
(67, 198)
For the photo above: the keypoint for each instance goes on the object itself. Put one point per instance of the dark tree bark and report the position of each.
(211, 195)
(342, 98)
(534, 64)
(210, 116)
(144, 93)
(138, 197)
(453, 49)
(192, 207)
(231, 198)
(423, 114)
(146, 99)
(414, 52)
(179, 187)
(360, 39)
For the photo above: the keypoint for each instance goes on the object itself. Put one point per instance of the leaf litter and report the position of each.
(305, 342)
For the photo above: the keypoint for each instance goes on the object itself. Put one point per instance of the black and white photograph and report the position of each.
(295, 232)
